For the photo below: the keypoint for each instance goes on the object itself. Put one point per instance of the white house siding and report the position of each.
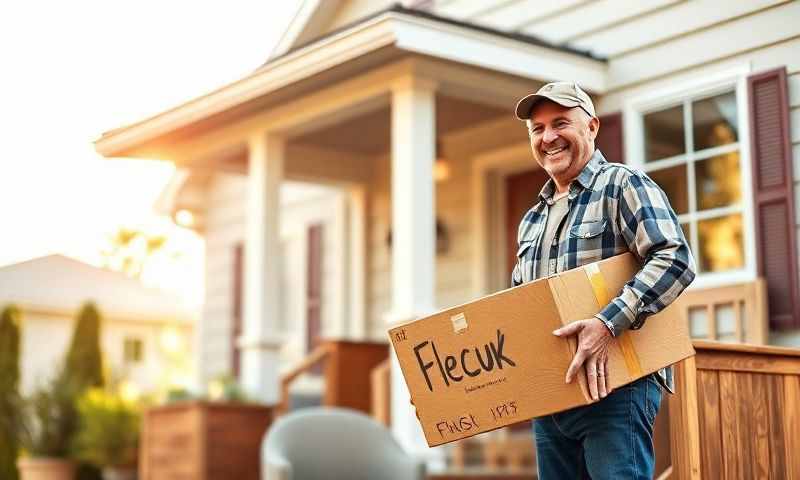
(302, 206)
(453, 280)
(224, 229)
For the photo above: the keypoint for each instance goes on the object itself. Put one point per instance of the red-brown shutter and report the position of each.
(236, 317)
(609, 138)
(773, 197)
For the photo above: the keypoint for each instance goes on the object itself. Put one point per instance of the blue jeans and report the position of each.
(610, 439)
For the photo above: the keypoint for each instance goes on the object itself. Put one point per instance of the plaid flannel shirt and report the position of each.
(612, 209)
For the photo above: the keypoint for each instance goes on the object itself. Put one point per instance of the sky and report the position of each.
(72, 70)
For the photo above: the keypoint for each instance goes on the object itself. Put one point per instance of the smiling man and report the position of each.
(591, 209)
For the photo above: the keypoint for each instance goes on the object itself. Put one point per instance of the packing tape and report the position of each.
(625, 343)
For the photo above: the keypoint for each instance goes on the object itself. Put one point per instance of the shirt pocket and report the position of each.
(525, 260)
(587, 240)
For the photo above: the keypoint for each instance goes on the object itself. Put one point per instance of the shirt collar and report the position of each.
(585, 179)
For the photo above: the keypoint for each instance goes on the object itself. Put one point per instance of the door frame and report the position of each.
(489, 172)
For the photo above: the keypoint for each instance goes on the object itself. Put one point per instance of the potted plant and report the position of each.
(108, 433)
(45, 423)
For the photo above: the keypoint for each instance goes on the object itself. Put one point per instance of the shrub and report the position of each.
(46, 421)
(109, 430)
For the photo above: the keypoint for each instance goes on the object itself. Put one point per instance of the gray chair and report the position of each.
(334, 444)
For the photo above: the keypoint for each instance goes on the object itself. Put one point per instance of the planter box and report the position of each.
(202, 441)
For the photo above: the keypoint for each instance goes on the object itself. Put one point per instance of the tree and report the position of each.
(84, 362)
(130, 250)
(83, 368)
(9, 384)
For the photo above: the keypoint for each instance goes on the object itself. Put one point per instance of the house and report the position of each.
(407, 111)
(146, 335)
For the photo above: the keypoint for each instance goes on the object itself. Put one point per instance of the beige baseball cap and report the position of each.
(566, 94)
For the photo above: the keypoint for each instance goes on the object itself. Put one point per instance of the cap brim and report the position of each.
(526, 104)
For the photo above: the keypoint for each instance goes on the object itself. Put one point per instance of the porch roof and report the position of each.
(397, 29)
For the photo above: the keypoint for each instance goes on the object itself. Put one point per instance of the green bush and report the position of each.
(109, 430)
(9, 384)
(84, 363)
(46, 421)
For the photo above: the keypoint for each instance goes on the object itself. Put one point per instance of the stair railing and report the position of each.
(317, 356)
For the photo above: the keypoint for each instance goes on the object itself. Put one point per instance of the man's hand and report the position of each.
(593, 340)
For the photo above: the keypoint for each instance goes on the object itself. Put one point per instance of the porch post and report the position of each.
(358, 262)
(413, 234)
(260, 340)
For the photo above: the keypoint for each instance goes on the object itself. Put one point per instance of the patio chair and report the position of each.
(334, 444)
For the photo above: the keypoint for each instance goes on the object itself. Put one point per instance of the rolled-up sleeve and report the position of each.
(651, 229)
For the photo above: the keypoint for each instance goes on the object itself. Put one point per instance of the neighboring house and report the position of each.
(146, 336)
(371, 98)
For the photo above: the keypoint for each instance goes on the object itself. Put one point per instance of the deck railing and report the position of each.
(736, 413)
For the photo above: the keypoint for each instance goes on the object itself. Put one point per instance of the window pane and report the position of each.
(721, 243)
(673, 181)
(663, 134)
(718, 181)
(726, 323)
(715, 121)
(133, 350)
(698, 322)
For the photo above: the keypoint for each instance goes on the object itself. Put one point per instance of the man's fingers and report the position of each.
(591, 377)
(602, 378)
(568, 330)
(577, 361)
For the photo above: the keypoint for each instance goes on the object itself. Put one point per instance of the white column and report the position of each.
(413, 236)
(358, 262)
(260, 341)
(339, 259)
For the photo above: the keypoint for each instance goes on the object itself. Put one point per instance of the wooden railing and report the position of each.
(317, 356)
(736, 413)
(346, 373)
(381, 387)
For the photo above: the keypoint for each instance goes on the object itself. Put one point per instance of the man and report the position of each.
(588, 210)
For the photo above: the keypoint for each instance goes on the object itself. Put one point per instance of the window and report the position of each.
(691, 147)
(133, 350)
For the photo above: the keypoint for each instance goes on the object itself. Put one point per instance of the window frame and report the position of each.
(683, 93)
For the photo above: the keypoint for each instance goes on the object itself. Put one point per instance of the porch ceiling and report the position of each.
(370, 134)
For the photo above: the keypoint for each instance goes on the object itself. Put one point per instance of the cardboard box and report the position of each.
(494, 361)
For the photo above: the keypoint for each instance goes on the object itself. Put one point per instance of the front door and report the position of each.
(522, 191)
